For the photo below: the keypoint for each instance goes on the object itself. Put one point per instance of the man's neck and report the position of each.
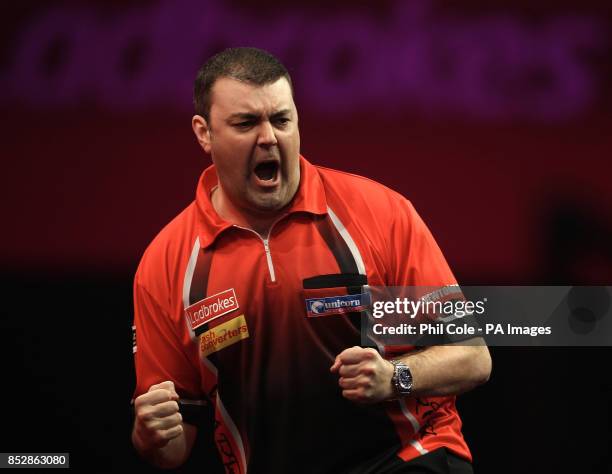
(228, 211)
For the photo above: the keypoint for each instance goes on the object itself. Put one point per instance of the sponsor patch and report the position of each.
(211, 308)
(224, 335)
(326, 306)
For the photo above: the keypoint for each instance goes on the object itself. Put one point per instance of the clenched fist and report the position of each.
(365, 377)
(157, 417)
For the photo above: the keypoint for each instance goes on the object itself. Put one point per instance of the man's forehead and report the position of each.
(230, 96)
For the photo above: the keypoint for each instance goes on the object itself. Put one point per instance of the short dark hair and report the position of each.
(251, 65)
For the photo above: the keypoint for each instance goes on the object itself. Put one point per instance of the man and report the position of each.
(220, 312)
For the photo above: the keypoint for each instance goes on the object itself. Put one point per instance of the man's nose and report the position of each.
(266, 134)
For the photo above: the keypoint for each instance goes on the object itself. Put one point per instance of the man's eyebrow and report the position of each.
(249, 116)
(281, 113)
(243, 116)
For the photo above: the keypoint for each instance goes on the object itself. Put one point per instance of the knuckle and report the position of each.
(158, 437)
(169, 407)
(174, 432)
(175, 419)
(144, 415)
(152, 425)
(138, 401)
(368, 369)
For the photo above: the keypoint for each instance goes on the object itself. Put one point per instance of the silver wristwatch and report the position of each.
(402, 379)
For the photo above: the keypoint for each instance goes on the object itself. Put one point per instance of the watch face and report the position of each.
(405, 379)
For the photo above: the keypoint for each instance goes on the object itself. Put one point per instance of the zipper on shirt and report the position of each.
(269, 257)
(266, 244)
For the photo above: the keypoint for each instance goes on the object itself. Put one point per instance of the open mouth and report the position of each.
(266, 171)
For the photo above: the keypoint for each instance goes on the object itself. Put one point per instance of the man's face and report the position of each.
(254, 142)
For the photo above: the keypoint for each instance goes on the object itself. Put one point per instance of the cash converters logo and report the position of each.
(224, 335)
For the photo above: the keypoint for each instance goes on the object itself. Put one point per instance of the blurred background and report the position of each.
(493, 117)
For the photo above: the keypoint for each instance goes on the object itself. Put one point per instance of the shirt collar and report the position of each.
(310, 197)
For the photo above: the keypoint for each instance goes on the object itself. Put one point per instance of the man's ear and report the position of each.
(201, 131)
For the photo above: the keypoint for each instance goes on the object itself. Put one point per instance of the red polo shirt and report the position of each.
(222, 312)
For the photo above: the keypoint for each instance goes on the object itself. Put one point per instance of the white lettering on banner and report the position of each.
(211, 308)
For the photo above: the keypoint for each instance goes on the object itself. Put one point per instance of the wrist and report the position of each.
(389, 392)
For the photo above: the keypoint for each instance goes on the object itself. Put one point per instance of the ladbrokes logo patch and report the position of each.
(211, 308)
(316, 307)
(223, 335)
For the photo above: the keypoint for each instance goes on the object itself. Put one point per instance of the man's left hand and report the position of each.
(365, 377)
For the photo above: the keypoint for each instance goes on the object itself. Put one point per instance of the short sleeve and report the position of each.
(418, 262)
(417, 259)
(158, 352)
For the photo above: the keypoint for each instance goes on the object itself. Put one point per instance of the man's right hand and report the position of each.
(157, 417)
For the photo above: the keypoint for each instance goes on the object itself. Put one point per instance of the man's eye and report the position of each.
(246, 124)
(282, 120)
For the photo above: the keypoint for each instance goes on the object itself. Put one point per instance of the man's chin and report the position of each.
(267, 204)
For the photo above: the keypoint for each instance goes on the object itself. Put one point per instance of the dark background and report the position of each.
(494, 118)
